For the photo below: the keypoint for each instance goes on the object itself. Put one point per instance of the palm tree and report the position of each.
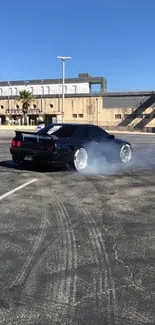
(26, 98)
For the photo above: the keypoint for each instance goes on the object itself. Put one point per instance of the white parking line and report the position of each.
(17, 188)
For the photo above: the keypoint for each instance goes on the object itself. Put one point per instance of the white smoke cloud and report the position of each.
(141, 159)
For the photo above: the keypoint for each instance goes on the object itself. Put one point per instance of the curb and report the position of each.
(130, 133)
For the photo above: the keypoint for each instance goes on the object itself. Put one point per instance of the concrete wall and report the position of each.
(77, 109)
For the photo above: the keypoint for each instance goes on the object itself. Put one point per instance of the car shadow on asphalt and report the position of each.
(30, 167)
(109, 170)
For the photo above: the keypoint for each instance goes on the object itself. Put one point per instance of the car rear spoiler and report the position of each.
(26, 134)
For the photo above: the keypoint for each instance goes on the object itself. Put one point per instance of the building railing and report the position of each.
(50, 92)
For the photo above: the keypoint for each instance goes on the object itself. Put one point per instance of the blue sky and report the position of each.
(114, 39)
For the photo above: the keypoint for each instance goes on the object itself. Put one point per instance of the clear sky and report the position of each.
(112, 38)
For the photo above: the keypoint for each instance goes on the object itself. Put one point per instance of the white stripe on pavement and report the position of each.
(17, 188)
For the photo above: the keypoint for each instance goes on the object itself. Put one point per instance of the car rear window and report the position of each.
(60, 131)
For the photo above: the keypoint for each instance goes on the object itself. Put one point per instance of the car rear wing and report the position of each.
(34, 135)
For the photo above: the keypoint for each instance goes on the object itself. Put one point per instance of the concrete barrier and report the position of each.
(130, 132)
(17, 127)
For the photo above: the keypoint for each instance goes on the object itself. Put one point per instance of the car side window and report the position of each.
(85, 133)
(94, 133)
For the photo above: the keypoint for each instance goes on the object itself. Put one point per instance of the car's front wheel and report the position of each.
(80, 159)
(125, 153)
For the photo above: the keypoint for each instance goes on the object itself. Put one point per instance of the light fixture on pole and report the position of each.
(63, 59)
(26, 82)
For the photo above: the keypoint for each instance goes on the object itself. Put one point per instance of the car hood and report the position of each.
(120, 141)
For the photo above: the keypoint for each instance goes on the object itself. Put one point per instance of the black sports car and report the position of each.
(77, 145)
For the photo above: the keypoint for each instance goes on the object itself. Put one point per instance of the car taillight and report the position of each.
(13, 143)
(18, 144)
(52, 147)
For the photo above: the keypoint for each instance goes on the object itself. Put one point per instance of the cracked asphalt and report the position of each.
(78, 249)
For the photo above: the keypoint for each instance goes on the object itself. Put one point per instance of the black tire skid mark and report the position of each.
(92, 246)
(69, 264)
(13, 245)
(19, 277)
(18, 285)
(111, 292)
(58, 206)
(29, 260)
(3, 244)
(68, 241)
(98, 247)
(43, 253)
(128, 277)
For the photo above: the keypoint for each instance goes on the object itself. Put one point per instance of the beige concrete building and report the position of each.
(130, 110)
(82, 104)
(76, 109)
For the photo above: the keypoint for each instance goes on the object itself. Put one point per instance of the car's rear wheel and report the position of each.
(80, 159)
(126, 153)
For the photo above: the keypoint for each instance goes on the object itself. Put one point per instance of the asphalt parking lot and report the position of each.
(78, 249)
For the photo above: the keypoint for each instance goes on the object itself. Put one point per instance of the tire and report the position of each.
(80, 159)
(125, 153)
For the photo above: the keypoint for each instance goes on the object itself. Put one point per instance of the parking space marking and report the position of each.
(17, 188)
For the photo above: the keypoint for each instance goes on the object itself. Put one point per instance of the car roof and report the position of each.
(71, 124)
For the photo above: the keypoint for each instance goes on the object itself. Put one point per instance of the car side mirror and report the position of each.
(112, 136)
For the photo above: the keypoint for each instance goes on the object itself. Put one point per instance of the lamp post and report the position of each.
(63, 59)
(9, 84)
(26, 83)
(42, 95)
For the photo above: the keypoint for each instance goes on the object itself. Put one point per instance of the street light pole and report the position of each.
(42, 95)
(9, 95)
(63, 84)
(63, 59)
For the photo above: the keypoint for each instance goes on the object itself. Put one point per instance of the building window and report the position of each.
(10, 91)
(74, 115)
(2, 106)
(34, 106)
(15, 91)
(51, 105)
(81, 115)
(17, 106)
(118, 116)
(46, 90)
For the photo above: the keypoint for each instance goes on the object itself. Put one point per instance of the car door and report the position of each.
(99, 140)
